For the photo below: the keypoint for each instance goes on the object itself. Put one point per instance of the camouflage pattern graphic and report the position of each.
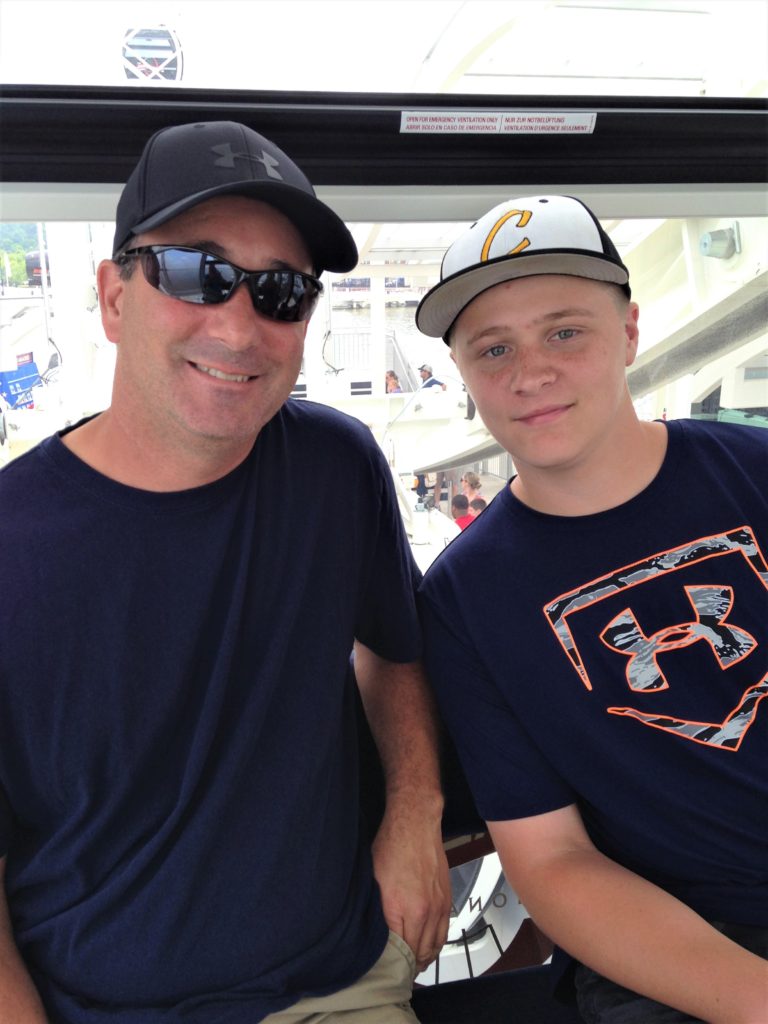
(711, 604)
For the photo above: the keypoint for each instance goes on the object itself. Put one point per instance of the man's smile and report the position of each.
(240, 378)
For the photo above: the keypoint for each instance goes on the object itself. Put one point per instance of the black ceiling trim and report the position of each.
(95, 135)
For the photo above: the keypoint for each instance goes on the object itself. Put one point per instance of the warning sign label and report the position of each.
(502, 122)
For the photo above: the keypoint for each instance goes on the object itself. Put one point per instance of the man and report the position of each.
(427, 379)
(460, 511)
(604, 686)
(178, 755)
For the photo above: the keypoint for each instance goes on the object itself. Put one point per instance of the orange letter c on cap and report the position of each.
(524, 215)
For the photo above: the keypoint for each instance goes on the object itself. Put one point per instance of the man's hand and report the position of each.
(408, 857)
(412, 871)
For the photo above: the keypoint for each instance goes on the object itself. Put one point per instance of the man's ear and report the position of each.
(632, 332)
(110, 287)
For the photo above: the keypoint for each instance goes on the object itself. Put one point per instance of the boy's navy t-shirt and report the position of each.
(619, 661)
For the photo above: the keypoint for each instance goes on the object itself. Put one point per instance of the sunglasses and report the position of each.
(204, 278)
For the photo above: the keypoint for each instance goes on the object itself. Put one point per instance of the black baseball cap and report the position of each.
(183, 165)
(520, 238)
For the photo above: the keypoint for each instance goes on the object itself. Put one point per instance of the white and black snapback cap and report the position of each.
(520, 238)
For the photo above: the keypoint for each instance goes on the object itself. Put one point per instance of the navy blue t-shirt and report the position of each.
(620, 661)
(178, 762)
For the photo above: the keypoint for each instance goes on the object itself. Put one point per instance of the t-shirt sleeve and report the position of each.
(388, 621)
(508, 775)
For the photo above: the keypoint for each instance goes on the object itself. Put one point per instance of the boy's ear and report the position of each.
(632, 332)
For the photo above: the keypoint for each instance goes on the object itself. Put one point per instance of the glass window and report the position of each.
(703, 347)
(689, 48)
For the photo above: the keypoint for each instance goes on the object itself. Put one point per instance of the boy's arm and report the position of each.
(625, 927)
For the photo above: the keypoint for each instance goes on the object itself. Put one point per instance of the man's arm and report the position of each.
(408, 856)
(624, 927)
(19, 1002)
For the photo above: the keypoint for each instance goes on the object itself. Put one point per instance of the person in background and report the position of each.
(179, 804)
(605, 685)
(477, 505)
(427, 379)
(392, 383)
(460, 511)
(470, 485)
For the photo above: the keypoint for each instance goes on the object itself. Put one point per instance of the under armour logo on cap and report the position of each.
(228, 156)
(186, 164)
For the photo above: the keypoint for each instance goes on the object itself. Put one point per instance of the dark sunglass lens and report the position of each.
(218, 279)
(150, 268)
(189, 275)
(283, 295)
(180, 274)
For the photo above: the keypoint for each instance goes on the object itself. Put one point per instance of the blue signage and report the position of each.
(16, 385)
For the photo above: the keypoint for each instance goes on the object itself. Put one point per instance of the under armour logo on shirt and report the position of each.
(712, 605)
(227, 157)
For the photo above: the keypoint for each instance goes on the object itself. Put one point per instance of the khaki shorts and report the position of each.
(382, 996)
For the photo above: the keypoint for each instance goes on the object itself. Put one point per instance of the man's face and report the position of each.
(544, 359)
(424, 374)
(206, 374)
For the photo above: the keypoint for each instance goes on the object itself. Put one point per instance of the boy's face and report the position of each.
(544, 358)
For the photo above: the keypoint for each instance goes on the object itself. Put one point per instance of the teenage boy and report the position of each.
(605, 685)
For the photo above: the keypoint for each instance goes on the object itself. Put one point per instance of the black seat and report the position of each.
(521, 996)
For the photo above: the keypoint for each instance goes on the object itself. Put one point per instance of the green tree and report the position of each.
(16, 239)
(20, 237)
(17, 266)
